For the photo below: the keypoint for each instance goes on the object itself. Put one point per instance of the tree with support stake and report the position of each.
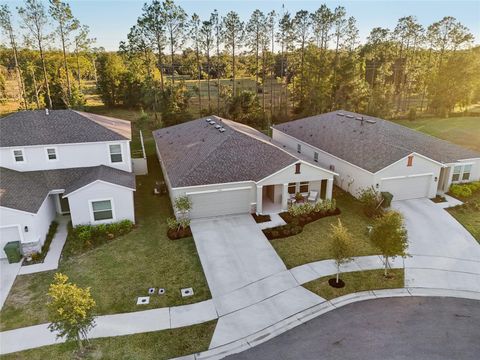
(390, 236)
(342, 249)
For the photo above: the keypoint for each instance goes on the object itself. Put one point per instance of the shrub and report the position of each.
(370, 199)
(462, 191)
(474, 186)
(172, 223)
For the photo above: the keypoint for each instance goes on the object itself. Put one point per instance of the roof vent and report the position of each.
(359, 118)
(221, 129)
(350, 116)
(340, 114)
(211, 122)
(217, 126)
(46, 112)
(371, 121)
(208, 119)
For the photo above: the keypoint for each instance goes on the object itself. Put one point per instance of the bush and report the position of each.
(370, 199)
(462, 191)
(89, 236)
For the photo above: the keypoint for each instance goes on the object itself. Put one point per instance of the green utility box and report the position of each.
(12, 249)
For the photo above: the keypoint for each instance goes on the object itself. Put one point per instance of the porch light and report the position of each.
(25, 228)
(377, 185)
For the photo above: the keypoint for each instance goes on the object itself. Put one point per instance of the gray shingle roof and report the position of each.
(25, 128)
(27, 191)
(371, 146)
(195, 153)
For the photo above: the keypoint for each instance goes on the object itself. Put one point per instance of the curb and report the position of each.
(320, 309)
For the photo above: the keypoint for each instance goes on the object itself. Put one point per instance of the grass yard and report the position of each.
(468, 214)
(463, 131)
(313, 244)
(357, 281)
(153, 345)
(122, 269)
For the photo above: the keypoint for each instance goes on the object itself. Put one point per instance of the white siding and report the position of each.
(68, 156)
(420, 166)
(351, 178)
(287, 175)
(79, 201)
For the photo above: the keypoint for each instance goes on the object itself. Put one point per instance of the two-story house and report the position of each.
(62, 162)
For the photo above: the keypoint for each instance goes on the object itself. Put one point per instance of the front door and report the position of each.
(443, 179)
(323, 189)
(64, 205)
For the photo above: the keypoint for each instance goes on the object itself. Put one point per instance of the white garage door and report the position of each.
(408, 187)
(216, 203)
(7, 234)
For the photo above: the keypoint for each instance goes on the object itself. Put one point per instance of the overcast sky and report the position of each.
(110, 20)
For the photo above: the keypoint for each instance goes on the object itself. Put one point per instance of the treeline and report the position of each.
(175, 64)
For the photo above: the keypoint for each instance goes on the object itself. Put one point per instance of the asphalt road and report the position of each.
(387, 329)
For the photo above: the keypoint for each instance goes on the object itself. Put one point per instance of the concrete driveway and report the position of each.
(444, 254)
(8, 273)
(234, 252)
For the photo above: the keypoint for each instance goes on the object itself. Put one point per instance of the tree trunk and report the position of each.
(160, 64)
(65, 65)
(36, 88)
(94, 71)
(386, 266)
(21, 84)
(208, 82)
(233, 68)
(338, 273)
(172, 56)
(199, 69)
(79, 341)
(79, 77)
(45, 76)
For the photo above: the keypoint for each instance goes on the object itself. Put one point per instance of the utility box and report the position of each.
(12, 249)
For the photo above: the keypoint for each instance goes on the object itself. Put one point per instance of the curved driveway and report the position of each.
(394, 328)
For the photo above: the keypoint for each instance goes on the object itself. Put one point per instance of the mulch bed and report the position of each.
(333, 283)
(438, 199)
(261, 218)
(295, 224)
(174, 234)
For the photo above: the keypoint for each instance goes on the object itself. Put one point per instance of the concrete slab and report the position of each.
(234, 252)
(8, 273)
(303, 274)
(275, 220)
(443, 263)
(257, 317)
(351, 298)
(324, 267)
(254, 292)
(433, 231)
(442, 279)
(27, 338)
(197, 313)
(369, 262)
(445, 293)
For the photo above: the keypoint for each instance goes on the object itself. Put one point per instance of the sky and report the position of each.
(110, 20)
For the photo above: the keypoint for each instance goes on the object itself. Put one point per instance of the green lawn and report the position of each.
(122, 269)
(357, 281)
(312, 243)
(154, 345)
(468, 214)
(463, 131)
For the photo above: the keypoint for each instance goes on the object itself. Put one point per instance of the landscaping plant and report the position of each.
(342, 247)
(183, 204)
(70, 310)
(390, 236)
(371, 200)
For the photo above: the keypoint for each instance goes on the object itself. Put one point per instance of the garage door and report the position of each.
(408, 187)
(225, 202)
(7, 234)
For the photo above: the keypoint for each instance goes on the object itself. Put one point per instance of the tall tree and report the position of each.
(207, 43)
(271, 33)
(195, 26)
(322, 21)
(176, 23)
(35, 20)
(218, 30)
(62, 14)
(82, 43)
(301, 27)
(153, 22)
(284, 35)
(255, 31)
(6, 25)
(233, 33)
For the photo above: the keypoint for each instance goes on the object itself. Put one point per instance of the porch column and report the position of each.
(259, 199)
(285, 197)
(329, 191)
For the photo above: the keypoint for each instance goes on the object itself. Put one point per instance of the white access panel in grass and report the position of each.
(217, 203)
(408, 187)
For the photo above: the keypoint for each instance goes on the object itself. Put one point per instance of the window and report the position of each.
(292, 188)
(299, 148)
(410, 160)
(297, 168)
(18, 155)
(304, 187)
(315, 156)
(116, 153)
(466, 172)
(456, 173)
(102, 210)
(51, 154)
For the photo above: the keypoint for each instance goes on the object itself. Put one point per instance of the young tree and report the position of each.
(195, 26)
(62, 14)
(390, 236)
(70, 309)
(6, 25)
(233, 33)
(35, 20)
(206, 41)
(342, 246)
(176, 22)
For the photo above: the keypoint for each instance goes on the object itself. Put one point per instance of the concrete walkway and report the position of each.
(53, 256)
(275, 220)
(8, 273)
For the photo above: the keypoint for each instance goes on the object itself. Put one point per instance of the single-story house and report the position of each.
(229, 168)
(367, 151)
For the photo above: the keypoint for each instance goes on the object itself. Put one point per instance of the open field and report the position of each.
(122, 269)
(463, 131)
